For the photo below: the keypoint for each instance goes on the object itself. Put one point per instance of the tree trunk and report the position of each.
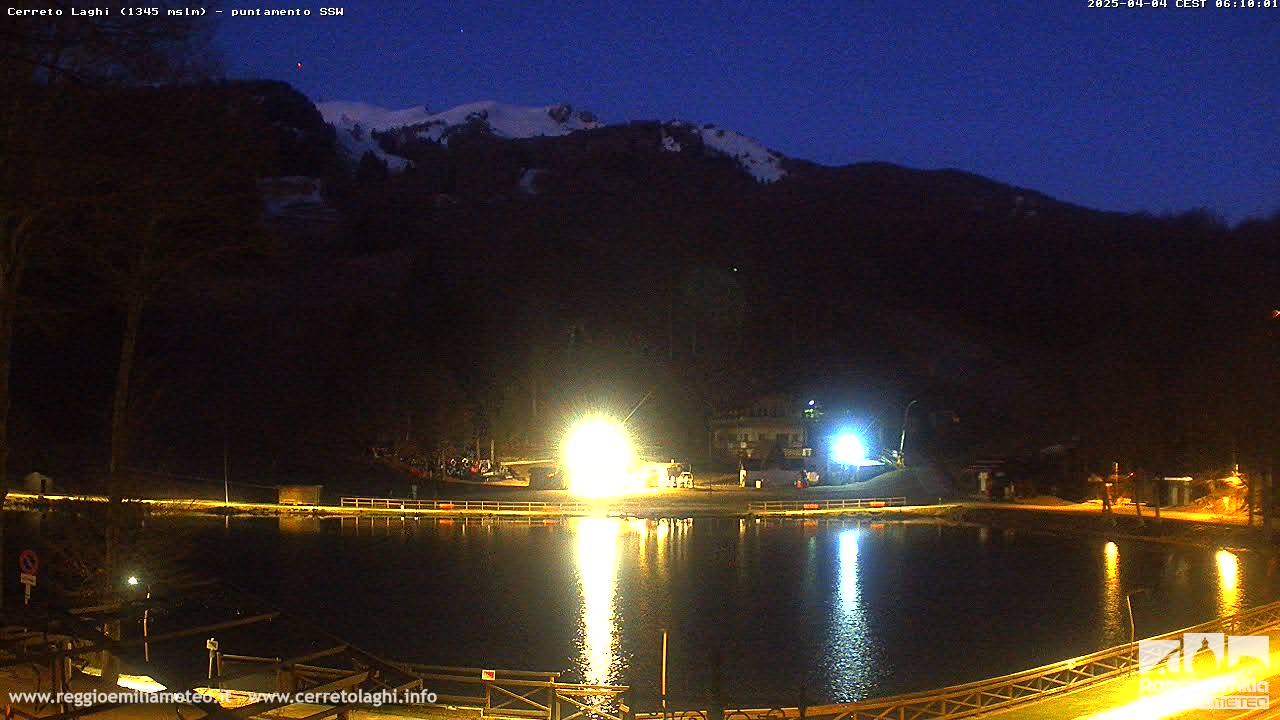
(8, 308)
(120, 436)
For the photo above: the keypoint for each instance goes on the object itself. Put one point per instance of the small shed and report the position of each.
(300, 494)
(1178, 491)
(37, 484)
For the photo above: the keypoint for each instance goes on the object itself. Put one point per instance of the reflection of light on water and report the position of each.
(597, 566)
(1114, 626)
(1228, 583)
(641, 528)
(660, 538)
(298, 525)
(848, 560)
(849, 649)
(1177, 571)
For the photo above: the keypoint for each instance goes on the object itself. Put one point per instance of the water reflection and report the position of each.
(849, 647)
(1114, 617)
(1229, 600)
(597, 569)
(889, 609)
(291, 525)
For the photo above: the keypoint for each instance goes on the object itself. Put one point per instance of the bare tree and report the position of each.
(184, 202)
(47, 64)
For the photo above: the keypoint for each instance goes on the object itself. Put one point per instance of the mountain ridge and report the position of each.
(358, 123)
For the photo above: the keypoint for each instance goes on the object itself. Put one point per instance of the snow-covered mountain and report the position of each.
(754, 157)
(356, 121)
(506, 121)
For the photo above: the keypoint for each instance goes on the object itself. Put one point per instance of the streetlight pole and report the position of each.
(902, 440)
(664, 674)
(226, 472)
(1128, 601)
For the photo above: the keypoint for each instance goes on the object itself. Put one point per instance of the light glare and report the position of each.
(849, 449)
(598, 457)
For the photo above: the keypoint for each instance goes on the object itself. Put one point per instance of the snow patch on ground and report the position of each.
(281, 194)
(528, 181)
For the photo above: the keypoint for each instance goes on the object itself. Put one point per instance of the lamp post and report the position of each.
(1128, 601)
(146, 613)
(664, 674)
(902, 440)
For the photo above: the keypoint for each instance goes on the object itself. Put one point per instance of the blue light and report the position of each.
(810, 403)
(848, 449)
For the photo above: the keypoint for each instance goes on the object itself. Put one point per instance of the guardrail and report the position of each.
(467, 506)
(1001, 693)
(818, 505)
(518, 695)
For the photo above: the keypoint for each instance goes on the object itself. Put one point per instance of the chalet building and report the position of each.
(752, 430)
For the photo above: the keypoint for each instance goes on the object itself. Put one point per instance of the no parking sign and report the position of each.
(28, 564)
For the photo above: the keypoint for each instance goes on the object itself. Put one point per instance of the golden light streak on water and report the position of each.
(660, 534)
(1115, 615)
(1229, 600)
(597, 569)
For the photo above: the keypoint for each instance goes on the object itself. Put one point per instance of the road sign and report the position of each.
(29, 562)
(488, 674)
(28, 580)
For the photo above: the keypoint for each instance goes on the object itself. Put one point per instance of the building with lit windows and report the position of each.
(752, 430)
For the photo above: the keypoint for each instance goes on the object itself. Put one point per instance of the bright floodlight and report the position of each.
(849, 450)
(133, 580)
(598, 456)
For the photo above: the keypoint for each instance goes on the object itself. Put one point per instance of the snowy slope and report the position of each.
(357, 141)
(508, 121)
(355, 121)
(505, 121)
(755, 158)
(370, 117)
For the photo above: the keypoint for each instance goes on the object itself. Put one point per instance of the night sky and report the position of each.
(1157, 109)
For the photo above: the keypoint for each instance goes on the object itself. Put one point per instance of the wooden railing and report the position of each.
(466, 506)
(800, 506)
(521, 695)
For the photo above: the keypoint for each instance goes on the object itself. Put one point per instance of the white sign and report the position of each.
(1206, 661)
